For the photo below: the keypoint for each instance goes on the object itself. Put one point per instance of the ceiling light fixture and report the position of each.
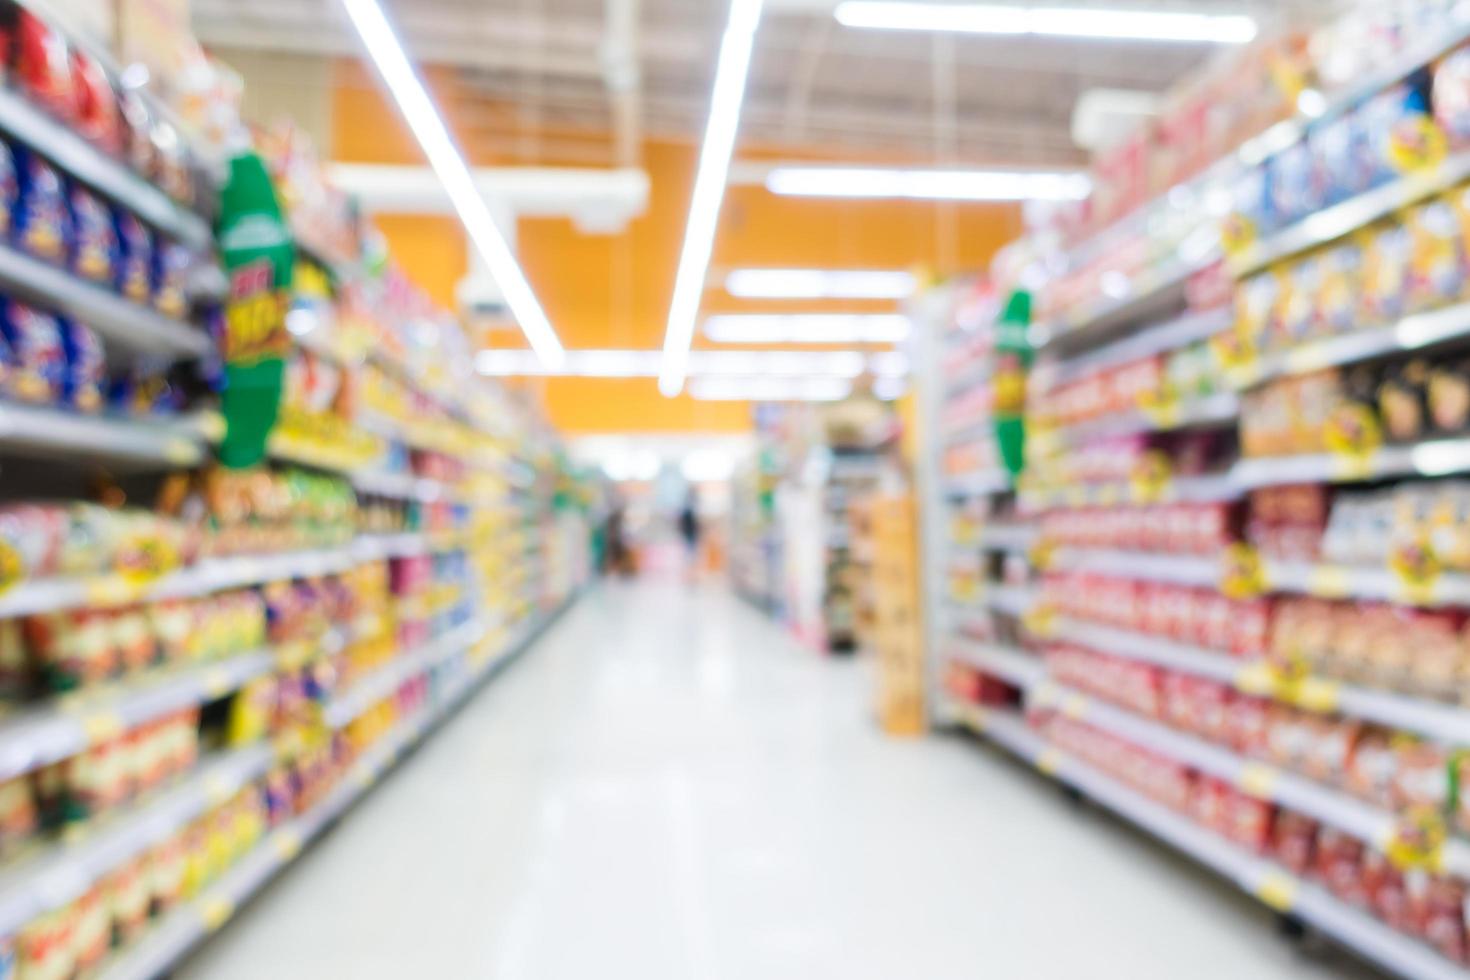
(1088, 22)
(758, 389)
(798, 364)
(428, 127)
(709, 190)
(820, 284)
(808, 328)
(928, 185)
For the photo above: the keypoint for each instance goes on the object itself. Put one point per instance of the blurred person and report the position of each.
(689, 530)
(618, 557)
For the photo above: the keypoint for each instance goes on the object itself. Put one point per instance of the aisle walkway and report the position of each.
(666, 788)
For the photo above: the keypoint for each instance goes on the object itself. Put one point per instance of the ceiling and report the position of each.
(645, 67)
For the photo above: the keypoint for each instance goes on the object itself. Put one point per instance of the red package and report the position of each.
(1386, 893)
(43, 65)
(1373, 770)
(1437, 912)
(1246, 720)
(98, 117)
(1251, 627)
(1293, 840)
(1339, 863)
(1421, 778)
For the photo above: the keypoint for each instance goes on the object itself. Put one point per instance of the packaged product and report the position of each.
(1451, 96)
(1343, 157)
(93, 929)
(1293, 839)
(1402, 401)
(167, 865)
(86, 366)
(1387, 270)
(1339, 863)
(1401, 135)
(135, 256)
(97, 117)
(1340, 288)
(43, 65)
(170, 273)
(30, 537)
(1373, 770)
(19, 815)
(88, 542)
(9, 189)
(140, 150)
(1295, 184)
(41, 221)
(173, 171)
(1387, 895)
(1437, 911)
(1301, 293)
(35, 342)
(129, 893)
(1449, 395)
(94, 238)
(1439, 265)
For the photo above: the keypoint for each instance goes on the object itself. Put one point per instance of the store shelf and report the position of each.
(1347, 582)
(62, 727)
(400, 486)
(1015, 537)
(204, 578)
(1209, 488)
(1437, 457)
(977, 484)
(1334, 222)
(1176, 569)
(66, 148)
(1192, 327)
(1216, 409)
(52, 432)
(1012, 600)
(387, 679)
(1409, 334)
(122, 324)
(1253, 874)
(64, 872)
(1445, 723)
(1012, 666)
(1158, 292)
(190, 924)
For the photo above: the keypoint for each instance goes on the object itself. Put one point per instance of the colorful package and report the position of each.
(9, 188)
(1388, 258)
(97, 117)
(36, 344)
(1451, 97)
(43, 65)
(86, 368)
(94, 250)
(42, 225)
(1438, 267)
(135, 256)
(171, 263)
(1343, 157)
(1294, 184)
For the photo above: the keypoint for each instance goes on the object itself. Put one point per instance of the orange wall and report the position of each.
(613, 291)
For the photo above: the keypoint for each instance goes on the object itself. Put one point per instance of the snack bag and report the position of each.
(1438, 266)
(41, 222)
(35, 342)
(171, 263)
(9, 189)
(86, 367)
(1387, 270)
(1294, 184)
(1342, 157)
(134, 257)
(1451, 97)
(1402, 401)
(98, 117)
(94, 248)
(43, 65)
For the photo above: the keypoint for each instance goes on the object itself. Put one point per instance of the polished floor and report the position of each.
(668, 788)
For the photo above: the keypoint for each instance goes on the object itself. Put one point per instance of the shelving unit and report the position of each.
(1004, 657)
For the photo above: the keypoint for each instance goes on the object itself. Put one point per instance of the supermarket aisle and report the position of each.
(667, 788)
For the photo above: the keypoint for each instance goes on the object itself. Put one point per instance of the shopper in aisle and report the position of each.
(689, 532)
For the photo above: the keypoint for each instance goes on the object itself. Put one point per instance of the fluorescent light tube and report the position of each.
(757, 389)
(428, 127)
(704, 363)
(808, 328)
(928, 185)
(1087, 22)
(820, 284)
(709, 190)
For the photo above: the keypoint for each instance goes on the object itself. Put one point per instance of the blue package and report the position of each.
(85, 366)
(9, 188)
(1249, 208)
(1342, 157)
(1401, 136)
(171, 262)
(1294, 188)
(35, 341)
(134, 256)
(94, 251)
(41, 224)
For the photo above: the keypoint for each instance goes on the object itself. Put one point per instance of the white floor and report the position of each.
(667, 787)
